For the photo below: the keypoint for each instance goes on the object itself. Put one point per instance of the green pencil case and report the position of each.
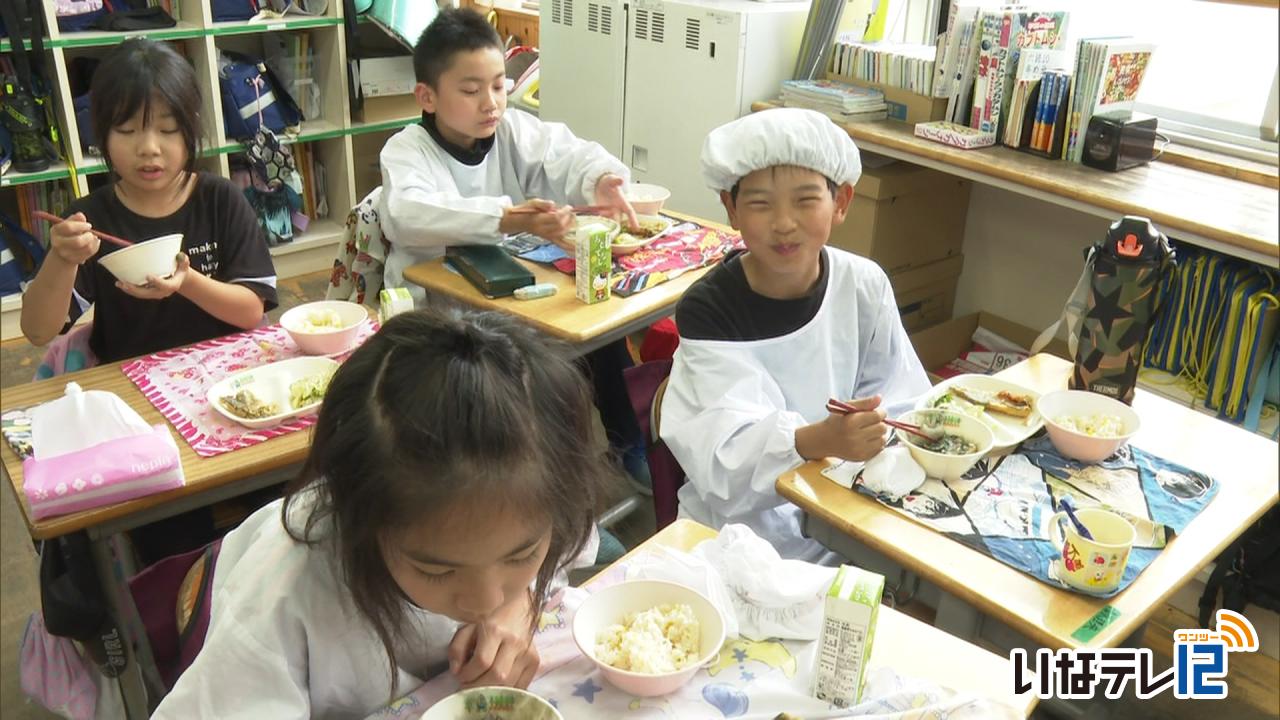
(489, 268)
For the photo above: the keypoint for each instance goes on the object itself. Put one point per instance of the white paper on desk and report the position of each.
(772, 597)
(81, 419)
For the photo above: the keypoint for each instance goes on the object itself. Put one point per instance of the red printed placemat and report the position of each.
(687, 246)
(176, 382)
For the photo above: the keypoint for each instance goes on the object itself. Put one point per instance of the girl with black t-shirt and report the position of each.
(145, 111)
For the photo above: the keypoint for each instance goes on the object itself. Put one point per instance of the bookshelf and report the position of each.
(347, 147)
(1231, 216)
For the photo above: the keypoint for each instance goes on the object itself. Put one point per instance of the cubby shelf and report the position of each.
(329, 133)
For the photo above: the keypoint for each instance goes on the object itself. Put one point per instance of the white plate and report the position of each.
(270, 384)
(1008, 430)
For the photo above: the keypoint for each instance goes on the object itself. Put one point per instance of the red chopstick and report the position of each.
(54, 219)
(843, 408)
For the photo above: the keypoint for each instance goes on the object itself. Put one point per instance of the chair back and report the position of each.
(646, 384)
(362, 255)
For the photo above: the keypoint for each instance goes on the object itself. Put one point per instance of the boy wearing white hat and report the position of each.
(774, 331)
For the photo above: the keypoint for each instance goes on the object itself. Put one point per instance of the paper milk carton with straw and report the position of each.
(848, 627)
(593, 260)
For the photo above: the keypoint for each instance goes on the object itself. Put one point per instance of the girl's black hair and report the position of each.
(442, 406)
(136, 74)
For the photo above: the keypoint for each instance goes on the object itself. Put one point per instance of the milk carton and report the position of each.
(848, 627)
(392, 302)
(594, 261)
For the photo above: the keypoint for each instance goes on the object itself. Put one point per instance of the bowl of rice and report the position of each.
(327, 327)
(1086, 426)
(648, 637)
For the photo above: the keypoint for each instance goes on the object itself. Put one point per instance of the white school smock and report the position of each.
(285, 640)
(431, 200)
(731, 408)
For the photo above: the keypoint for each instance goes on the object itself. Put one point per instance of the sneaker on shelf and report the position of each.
(636, 464)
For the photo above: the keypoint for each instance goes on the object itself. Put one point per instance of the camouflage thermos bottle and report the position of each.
(1125, 282)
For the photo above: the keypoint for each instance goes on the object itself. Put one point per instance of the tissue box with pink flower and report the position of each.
(90, 450)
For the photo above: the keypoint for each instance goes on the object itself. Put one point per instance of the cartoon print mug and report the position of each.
(1097, 565)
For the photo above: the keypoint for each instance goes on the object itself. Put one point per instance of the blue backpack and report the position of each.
(233, 10)
(251, 93)
(20, 256)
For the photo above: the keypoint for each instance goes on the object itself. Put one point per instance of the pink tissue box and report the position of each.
(105, 474)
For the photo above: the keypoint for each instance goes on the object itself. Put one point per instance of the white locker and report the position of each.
(582, 66)
(693, 65)
(653, 80)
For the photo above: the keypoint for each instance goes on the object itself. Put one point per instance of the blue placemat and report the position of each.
(1002, 506)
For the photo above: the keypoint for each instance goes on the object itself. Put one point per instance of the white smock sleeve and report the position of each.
(421, 206)
(725, 421)
(552, 163)
(242, 675)
(889, 366)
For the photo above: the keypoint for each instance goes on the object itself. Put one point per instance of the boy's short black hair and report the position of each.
(733, 192)
(453, 31)
(136, 74)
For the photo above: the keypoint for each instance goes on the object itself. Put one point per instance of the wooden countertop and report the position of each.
(1237, 217)
(1244, 464)
(562, 315)
(949, 662)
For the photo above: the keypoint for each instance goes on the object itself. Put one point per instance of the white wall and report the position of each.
(1022, 255)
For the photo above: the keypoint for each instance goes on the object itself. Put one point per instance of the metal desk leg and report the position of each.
(957, 617)
(140, 681)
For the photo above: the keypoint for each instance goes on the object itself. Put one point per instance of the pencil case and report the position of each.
(489, 268)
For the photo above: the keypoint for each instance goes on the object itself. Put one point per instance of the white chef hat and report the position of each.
(782, 136)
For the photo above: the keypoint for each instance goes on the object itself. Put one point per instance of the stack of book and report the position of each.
(1109, 72)
(1048, 118)
(51, 197)
(910, 67)
(1025, 106)
(315, 204)
(839, 101)
(1005, 35)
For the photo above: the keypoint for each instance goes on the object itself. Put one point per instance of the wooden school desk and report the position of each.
(207, 480)
(902, 643)
(979, 595)
(585, 327)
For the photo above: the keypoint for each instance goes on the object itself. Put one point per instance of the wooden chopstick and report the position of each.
(54, 219)
(843, 408)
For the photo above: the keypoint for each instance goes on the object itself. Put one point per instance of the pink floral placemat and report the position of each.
(176, 382)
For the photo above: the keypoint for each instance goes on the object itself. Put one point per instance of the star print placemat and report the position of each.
(758, 679)
(1003, 506)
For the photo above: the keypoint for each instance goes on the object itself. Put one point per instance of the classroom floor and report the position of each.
(1254, 693)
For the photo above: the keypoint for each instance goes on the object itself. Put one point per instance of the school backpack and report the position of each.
(252, 96)
(26, 109)
(79, 15)
(233, 10)
(20, 256)
(1247, 572)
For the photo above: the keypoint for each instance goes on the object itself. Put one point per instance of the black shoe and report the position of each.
(22, 117)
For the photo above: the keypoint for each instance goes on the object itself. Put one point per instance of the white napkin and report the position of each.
(893, 473)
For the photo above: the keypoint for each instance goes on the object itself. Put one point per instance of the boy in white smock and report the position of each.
(775, 330)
